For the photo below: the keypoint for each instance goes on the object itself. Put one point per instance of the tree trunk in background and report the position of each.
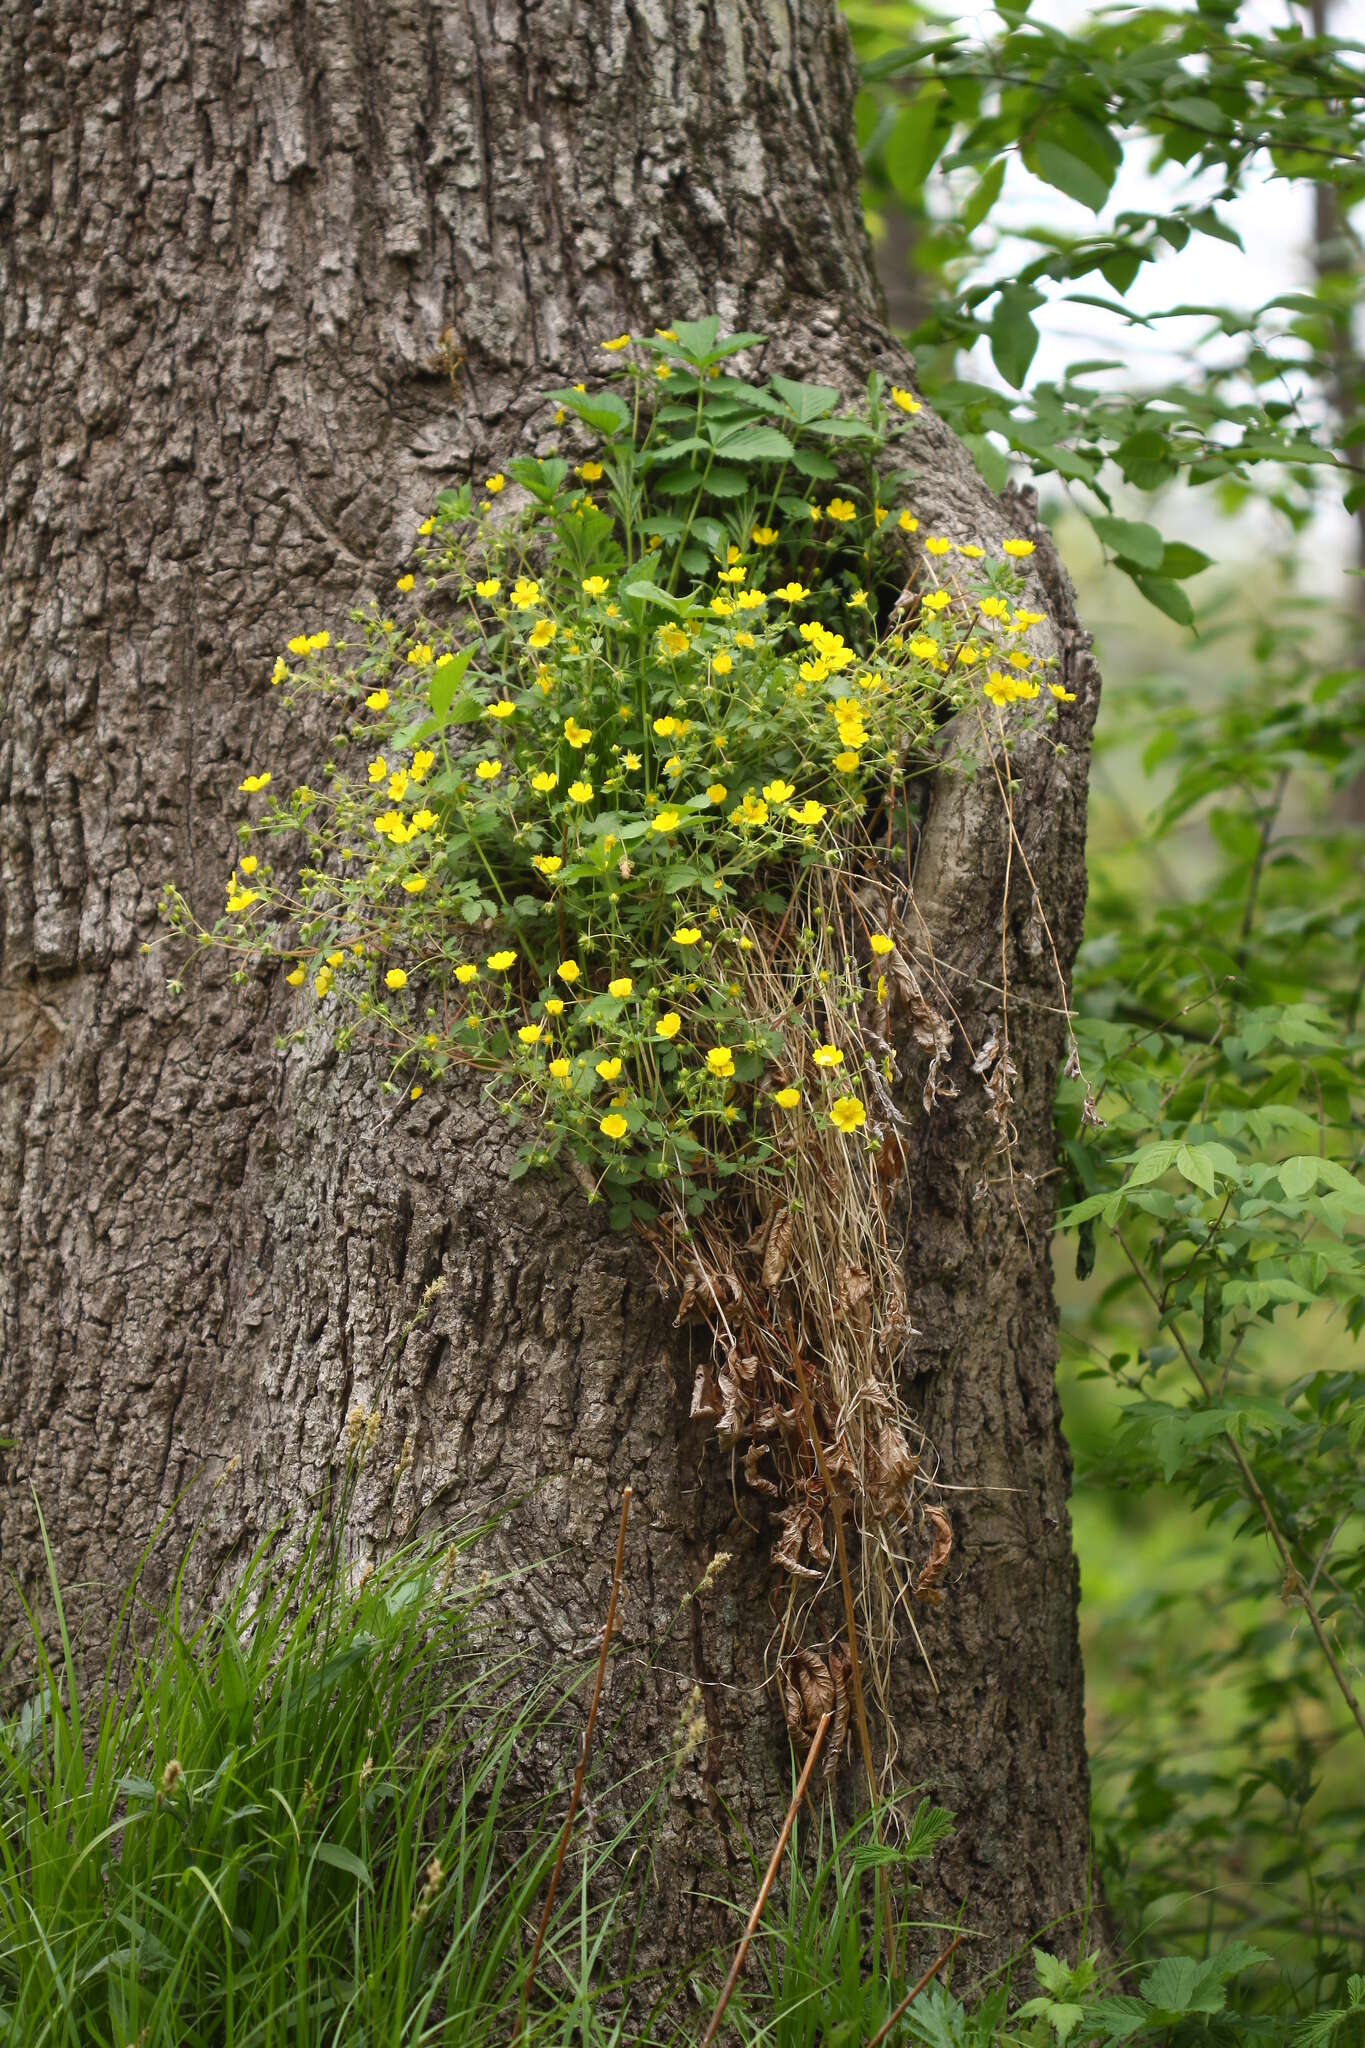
(240, 247)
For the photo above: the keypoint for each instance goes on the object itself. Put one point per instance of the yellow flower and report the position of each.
(546, 863)
(857, 601)
(299, 644)
(322, 980)
(827, 1056)
(908, 523)
(613, 1127)
(937, 545)
(488, 771)
(923, 648)
(667, 821)
(665, 727)
(420, 656)
(847, 1114)
(568, 971)
(792, 593)
(248, 863)
(881, 945)
(787, 1098)
(632, 761)
(489, 587)
(530, 1034)
(809, 813)
(500, 962)
(745, 639)
(423, 821)
(971, 551)
(544, 781)
(722, 607)
(618, 342)
(280, 672)
(620, 987)
(993, 608)
(673, 641)
(906, 400)
(716, 793)
(423, 761)
(577, 735)
(542, 633)
(591, 472)
(720, 1060)
(414, 884)
(378, 700)
(297, 978)
(596, 586)
(580, 792)
(736, 573)
(560, 1069)
(609, 1069)
(317, 641)
(778, 791)
(255, 783)
(763, 536)
(999, 689)
(467, 972)
(722, 664)
(525, 594)
(935, 601)
(841, 510)
(415, 1093)
(501, 707)
(493, 484)
(427, 526)
(1020, 549)
(395, 979)
(846, 763)
(242, 899)
(336, 959)
(1062, 695)
(404, 584)
(398, 783)
(686, 935)
(668, 1025)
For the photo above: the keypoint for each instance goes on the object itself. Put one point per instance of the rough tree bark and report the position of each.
(271, 274)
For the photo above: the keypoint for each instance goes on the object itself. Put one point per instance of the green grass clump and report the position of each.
(290, 1822)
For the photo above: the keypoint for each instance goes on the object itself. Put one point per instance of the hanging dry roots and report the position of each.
(800, 1277)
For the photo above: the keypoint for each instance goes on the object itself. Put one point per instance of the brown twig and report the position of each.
(769, 1874)
(581, 1772)
(913, 1993)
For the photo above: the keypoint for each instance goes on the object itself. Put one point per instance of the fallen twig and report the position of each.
(769, 1874)
(913, 1993)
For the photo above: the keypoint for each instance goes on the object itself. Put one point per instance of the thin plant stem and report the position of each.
(769, 1874)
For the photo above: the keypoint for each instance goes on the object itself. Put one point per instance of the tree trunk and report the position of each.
(271, 275)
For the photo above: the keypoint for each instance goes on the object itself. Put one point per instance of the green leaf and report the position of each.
(1297, 1176)
(755, 444)
(646, 592)
(1191, 1162)
(541, 479)
(914, 143)
(1179, 560)
(805, 402)
(1133, 540)
(1167, 597)
(1066, 173)
(446, 678)
(339, 1858)
(603, 411)
(1013, 336)
(979, 203)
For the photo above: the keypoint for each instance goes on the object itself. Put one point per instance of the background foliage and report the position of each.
(1212, 1267)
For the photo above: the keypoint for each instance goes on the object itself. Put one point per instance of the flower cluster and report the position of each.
(615, 744)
